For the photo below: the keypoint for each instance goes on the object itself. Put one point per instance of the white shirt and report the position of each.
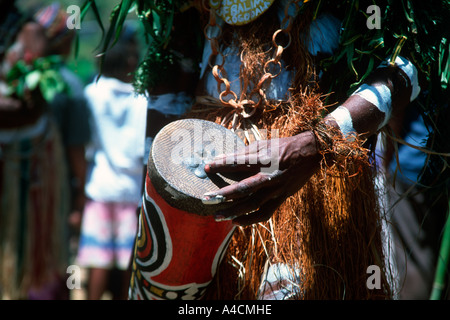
(118, 128)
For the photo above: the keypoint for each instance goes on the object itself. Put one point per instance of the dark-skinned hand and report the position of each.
(273, 169)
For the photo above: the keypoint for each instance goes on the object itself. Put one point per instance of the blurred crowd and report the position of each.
(71, 160)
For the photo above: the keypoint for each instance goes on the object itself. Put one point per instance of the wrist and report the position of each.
(311, 144)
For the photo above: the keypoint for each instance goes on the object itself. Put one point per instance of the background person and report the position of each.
(115, 175)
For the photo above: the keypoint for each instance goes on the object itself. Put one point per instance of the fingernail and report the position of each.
(212, 199)
(220, 218)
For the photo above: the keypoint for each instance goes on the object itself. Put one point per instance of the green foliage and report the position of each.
(412, 28)
(157, 20)
(42, 74)
(156, 67)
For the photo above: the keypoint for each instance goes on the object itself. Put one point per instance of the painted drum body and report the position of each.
(179, 244)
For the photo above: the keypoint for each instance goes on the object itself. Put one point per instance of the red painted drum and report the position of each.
(179, 244)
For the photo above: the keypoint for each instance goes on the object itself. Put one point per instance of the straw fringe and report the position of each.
(330, 230)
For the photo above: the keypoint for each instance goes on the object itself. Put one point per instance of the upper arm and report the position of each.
(386, 93)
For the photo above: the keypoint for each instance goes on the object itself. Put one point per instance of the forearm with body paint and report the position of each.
(386, 93)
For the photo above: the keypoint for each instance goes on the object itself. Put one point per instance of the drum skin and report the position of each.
(177, 158)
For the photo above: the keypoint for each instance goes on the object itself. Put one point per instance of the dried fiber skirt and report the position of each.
(321, 241)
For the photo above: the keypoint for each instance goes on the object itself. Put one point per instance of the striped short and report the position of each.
(108, 231)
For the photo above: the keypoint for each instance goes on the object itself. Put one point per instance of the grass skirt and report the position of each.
(327, 234)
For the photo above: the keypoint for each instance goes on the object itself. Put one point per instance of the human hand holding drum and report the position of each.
(273, 169)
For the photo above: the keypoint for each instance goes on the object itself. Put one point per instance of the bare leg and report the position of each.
(98, 281)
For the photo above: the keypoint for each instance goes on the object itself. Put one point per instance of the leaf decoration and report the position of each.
(42, 74)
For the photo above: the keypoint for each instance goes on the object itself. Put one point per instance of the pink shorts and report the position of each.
(108, 231)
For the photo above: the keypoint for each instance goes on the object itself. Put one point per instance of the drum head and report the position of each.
(177, 159)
